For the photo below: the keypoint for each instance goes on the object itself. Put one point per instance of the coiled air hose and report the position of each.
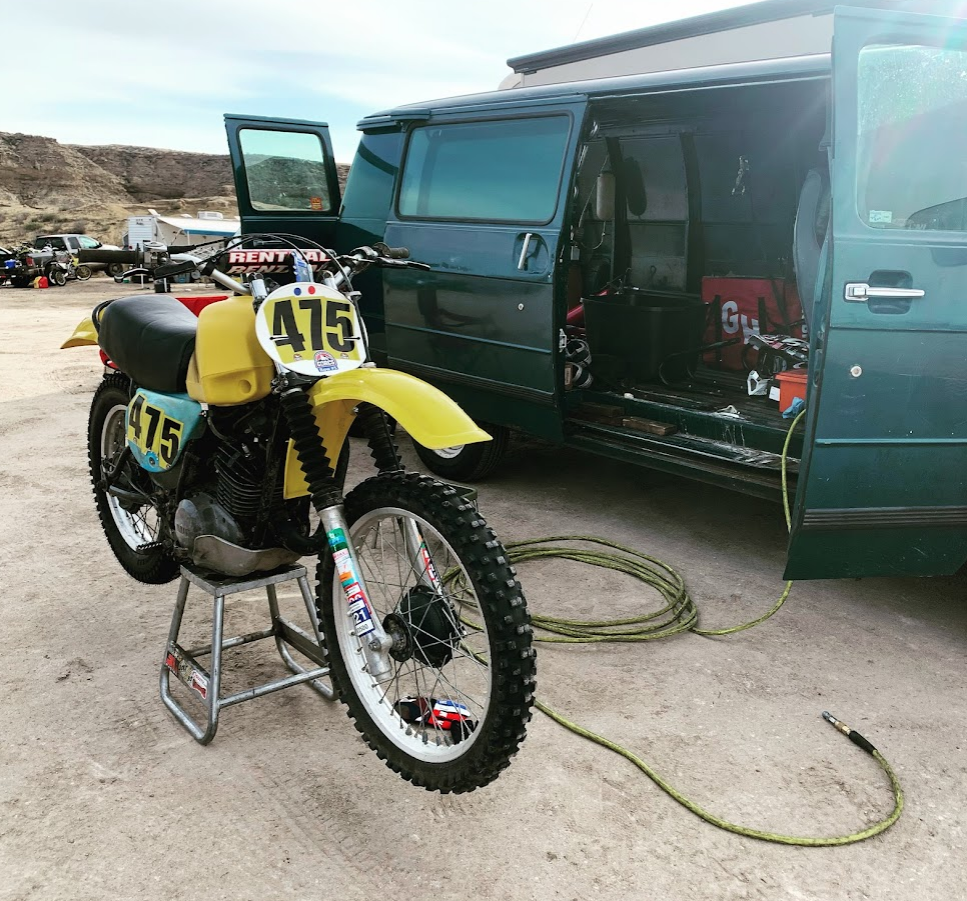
(679, 614)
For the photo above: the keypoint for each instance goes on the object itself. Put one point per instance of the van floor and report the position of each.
(708, 391)
(711, 422)
(714, 391)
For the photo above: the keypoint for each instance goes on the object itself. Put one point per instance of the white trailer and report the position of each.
(183, 229)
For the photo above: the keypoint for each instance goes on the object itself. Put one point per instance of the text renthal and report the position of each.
(245, 260)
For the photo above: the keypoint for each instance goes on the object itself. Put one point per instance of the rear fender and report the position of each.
(425, 412)
(83, 336)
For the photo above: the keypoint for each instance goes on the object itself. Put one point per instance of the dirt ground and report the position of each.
(103, 795)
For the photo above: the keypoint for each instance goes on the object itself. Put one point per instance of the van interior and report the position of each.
(700, 218)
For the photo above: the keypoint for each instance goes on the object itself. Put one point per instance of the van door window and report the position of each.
(285, 170)
(508, 171)
(912, 126)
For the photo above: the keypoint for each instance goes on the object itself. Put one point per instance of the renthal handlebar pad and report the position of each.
(265, 260)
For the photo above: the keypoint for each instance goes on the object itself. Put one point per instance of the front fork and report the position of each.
(374, 642)
(326, 497)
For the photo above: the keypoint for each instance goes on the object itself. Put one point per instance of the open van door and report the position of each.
(285, 176)
(883, 481)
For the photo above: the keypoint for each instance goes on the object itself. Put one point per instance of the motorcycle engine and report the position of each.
(201, 514)
(227, 508)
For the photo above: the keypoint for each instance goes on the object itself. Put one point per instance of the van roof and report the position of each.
(799, 67)
(711, 23)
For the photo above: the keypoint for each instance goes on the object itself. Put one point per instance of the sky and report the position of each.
(162, 75)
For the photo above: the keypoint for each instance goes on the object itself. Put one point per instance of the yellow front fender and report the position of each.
(83, 335)
(427, 414)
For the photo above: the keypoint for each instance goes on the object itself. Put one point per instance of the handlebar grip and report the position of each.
(392, 253)
(169, 269)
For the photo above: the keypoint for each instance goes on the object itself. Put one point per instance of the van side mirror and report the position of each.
(604, 197)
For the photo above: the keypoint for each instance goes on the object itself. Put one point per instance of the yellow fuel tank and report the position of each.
(229, 366)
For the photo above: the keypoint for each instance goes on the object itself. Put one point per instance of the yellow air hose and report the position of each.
(679, 614)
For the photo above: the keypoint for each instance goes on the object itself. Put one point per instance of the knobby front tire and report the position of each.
(455, 708)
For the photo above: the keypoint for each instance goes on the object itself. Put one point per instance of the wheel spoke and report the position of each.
(455, 619)
(394, 577)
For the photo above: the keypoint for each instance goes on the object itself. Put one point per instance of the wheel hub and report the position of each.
(423, 625)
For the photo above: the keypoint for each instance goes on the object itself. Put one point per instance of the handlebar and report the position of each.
(339, 269)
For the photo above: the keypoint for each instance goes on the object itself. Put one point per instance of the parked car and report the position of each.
(74, 244)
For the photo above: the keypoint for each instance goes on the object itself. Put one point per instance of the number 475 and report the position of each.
(338, 329)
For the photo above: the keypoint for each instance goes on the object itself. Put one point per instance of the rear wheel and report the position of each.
(57, 276)
(130, 520)
(453, 711)
(467, 462)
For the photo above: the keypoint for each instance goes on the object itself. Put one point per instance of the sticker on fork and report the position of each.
(359, 606)
(428, 566)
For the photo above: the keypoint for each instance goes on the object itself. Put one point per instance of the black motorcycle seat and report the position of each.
(151, 338)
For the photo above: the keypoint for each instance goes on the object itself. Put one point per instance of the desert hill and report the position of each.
(46, 186)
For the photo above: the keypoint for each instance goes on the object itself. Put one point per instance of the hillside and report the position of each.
(46, 186)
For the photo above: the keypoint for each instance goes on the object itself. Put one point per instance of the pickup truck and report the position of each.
(73, 243)
(17, 267)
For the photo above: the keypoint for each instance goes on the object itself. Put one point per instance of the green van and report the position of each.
(586, 239)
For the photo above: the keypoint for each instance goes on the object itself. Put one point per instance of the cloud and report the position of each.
(163, 75)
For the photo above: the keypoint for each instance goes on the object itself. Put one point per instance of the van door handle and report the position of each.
(524, 251)
(860, 292)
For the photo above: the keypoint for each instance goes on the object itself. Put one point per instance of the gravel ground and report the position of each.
(103, 795)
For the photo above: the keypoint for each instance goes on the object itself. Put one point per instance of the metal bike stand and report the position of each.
(184, 663)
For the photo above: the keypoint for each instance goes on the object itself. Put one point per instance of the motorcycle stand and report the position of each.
(184, 663)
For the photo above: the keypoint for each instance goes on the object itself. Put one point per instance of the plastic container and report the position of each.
(647, 331)
(792, 384)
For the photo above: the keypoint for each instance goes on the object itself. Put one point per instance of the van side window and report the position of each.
(508, 171)
(911, 171)
(285, 170)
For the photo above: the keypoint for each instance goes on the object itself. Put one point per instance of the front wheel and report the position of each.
(83, 272)
(132, 524)
(115, 269)
(454, 708)
(467, 462)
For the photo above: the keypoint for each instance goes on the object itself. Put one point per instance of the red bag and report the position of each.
(737, 307)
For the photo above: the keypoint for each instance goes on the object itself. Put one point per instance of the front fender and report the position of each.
(427, 414)
(83, 335)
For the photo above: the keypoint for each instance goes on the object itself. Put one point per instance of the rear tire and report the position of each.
(57, 276)
(455, 709)
(467, 462)
(133, 533)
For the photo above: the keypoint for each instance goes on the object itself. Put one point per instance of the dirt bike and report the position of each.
(77, 270)
(211, 440)
(58, 269)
